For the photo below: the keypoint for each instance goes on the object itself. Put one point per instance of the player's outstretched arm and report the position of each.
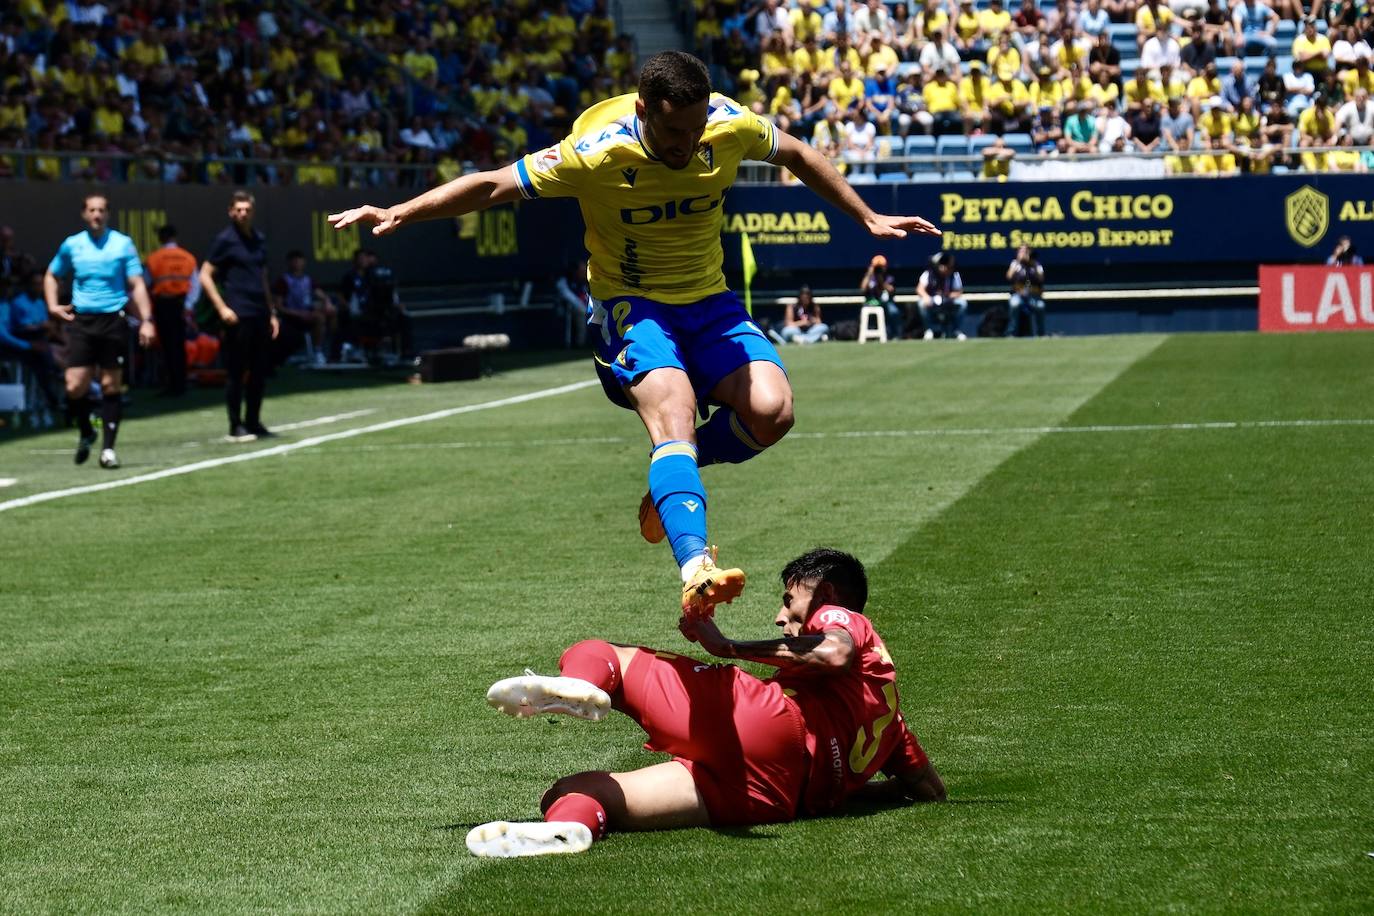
(816, 172)
(829, 652)
(464, 194)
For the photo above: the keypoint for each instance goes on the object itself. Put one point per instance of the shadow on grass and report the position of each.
(145, 402)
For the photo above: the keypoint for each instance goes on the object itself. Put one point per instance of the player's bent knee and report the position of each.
(772, 417)
(596, 784)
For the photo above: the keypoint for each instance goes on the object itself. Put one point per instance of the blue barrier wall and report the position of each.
(1186, 223)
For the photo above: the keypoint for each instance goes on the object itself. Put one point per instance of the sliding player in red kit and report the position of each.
(744, 750)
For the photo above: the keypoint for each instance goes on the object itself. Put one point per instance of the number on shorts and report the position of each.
(865, 747)
(620, 313)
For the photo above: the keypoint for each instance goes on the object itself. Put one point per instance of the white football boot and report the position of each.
(508, 840)
(535, 694)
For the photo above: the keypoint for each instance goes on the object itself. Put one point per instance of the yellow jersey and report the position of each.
(652, 231)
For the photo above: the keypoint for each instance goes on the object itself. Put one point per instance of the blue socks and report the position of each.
(723, 439)
(676, 489)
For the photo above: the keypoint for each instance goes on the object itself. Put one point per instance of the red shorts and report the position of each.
(742, 740)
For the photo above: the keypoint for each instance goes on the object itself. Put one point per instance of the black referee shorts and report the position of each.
(98, 340)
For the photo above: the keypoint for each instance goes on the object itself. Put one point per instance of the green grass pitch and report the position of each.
(1140, 650)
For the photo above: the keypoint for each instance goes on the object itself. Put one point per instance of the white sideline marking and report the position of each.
(283, 427)
(899, 433)
(294, 446)
(8, 481)
(321, 421)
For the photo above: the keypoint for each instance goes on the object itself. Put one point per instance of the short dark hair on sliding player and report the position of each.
(675, 77)
(843, 571)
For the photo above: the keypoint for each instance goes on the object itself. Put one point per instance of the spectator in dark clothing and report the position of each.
(1144, 123)
(15, 265)
(1104, 56)
(234, 276)
(1198, 53)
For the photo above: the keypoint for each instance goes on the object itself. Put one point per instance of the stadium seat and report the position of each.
(1224, 64)
(952, 145)
(863, 178)
(1285, 63)
(888, 147)
(1286, 31)
(928, 177)
(892, 178)
(920, 145)
(961, 175)
(977, 144)
(907, 68)
(1021, 143)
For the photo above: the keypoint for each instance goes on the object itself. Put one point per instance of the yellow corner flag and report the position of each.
(751, 267)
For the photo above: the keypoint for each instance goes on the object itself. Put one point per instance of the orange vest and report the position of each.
(171, 269)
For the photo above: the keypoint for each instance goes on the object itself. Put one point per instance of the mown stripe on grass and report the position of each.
(289, 447)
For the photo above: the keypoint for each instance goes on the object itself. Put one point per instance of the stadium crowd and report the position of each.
(183, 90)
(859, 78)
(201, 91)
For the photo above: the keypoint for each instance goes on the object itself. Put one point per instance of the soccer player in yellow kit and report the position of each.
(650, 171)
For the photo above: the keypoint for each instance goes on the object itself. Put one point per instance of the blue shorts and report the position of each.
(632, 336)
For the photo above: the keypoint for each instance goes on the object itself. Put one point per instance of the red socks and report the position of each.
(582, 809)
(592, 660)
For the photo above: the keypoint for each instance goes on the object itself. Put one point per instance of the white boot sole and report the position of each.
(506, 840)
(536, 694)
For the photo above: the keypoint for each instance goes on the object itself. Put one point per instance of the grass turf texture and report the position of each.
(1141, 658)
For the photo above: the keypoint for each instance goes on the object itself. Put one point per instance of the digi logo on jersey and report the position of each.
(688, 206)
(834, 616)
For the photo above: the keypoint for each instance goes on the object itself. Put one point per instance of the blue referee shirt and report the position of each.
(100, 270)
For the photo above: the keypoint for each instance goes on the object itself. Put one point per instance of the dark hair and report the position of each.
(166, 233)
(241, 197)
(101, 194)
(843, 571)
(294, 253)
(675, 77)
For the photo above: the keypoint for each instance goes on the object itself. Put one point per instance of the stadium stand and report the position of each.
(1024, 71)
(356, 94)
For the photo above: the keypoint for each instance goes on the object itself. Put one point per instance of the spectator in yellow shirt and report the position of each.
(968, 31)
(881, 56)
(1002, 57)
(1046, 92)
(1140, 91)
(994, 21)
(281, 57)
(1105, 91)
(418, 61)
(842, 51)
(1220, 162)
(846, 90)
(1169, 84)
(1205, 85)
(806, 23)
(942, 101)
(1009, 103)
(326, 59)
(108, 119)
(1214, 122)
(1317, 127)
(1149, 17)
(1311, 51)
(776, 61)
(808, 59)
(1361, 77)
(973, 97)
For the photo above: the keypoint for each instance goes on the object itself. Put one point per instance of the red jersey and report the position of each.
(854, 725)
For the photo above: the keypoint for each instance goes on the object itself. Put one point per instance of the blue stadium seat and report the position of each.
(1021, 143)
(1285, 62)
(920, 145)
(862, 178)
(1224, 64)
(892, 177)
(926, 177)
(961, 175)
(1280, 170)
(907, 68)
(977, 144)
(1117, 29)
(951, 145)
(1287, 30)
(888, 147)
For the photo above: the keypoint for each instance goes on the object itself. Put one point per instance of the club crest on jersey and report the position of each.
(834, 616)
(707, 155)
(548, 159)
(630, 176)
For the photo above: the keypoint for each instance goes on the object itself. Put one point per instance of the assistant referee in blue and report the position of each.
(105, 273)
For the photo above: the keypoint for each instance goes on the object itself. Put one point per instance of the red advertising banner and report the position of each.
(1305, 298)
